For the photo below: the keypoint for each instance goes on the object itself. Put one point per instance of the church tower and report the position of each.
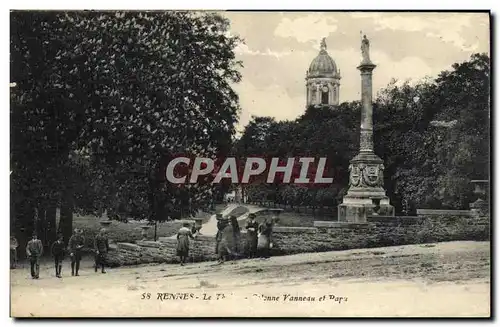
(323, 80)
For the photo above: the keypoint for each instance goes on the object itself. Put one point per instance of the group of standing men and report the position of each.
(34, 250)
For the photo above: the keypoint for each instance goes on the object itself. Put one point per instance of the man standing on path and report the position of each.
(101, 247)
(13, 252)
(34, 251)
(57, 250)
(76, 243)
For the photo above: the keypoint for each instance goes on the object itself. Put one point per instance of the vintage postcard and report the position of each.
(250, 164)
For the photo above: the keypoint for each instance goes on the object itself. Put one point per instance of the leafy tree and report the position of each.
(309, 135)
(44, 125)
(464, 96)
(126, 89)
(434, 136)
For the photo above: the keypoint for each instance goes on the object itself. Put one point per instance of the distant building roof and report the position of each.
(323, 64)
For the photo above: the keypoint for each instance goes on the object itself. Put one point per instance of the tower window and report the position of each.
(324, 97)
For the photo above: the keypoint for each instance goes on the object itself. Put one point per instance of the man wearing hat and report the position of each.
(101, 247)
(34, 251)
(13, 252)
(76, 243)
(57, 250)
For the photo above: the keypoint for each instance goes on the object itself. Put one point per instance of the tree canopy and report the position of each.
(433, 136)
(103, 99)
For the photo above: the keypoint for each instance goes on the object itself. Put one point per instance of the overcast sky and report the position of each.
(279, 46)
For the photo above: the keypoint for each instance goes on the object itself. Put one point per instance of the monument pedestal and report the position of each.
(366, 195)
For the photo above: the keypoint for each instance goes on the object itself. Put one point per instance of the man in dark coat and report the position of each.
(34, 251)
(76, 243)
(57, 250)
(252, 227)
(13, 252)
(101, 247)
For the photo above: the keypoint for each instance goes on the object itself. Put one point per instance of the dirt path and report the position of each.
(448, 279)
(210, 227)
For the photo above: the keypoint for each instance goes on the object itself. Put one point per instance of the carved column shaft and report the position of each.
(366, 135)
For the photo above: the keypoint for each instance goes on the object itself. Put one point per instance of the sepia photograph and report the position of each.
(258, 164)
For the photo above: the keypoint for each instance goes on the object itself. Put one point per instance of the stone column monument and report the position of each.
(366, 195)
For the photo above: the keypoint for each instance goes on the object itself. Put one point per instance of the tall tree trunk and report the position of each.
(66, 220)
(50, 220)
(156, 229)
(41, 223)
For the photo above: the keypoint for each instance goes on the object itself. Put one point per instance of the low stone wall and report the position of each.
(435, 212)
(378, 231)
(143, 252)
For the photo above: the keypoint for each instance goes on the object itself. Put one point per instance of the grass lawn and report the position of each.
(294, 219)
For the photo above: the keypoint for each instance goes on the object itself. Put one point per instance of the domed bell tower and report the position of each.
(323, 80)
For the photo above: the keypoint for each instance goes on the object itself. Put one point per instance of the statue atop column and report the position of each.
(323, 44)
(365, 49)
